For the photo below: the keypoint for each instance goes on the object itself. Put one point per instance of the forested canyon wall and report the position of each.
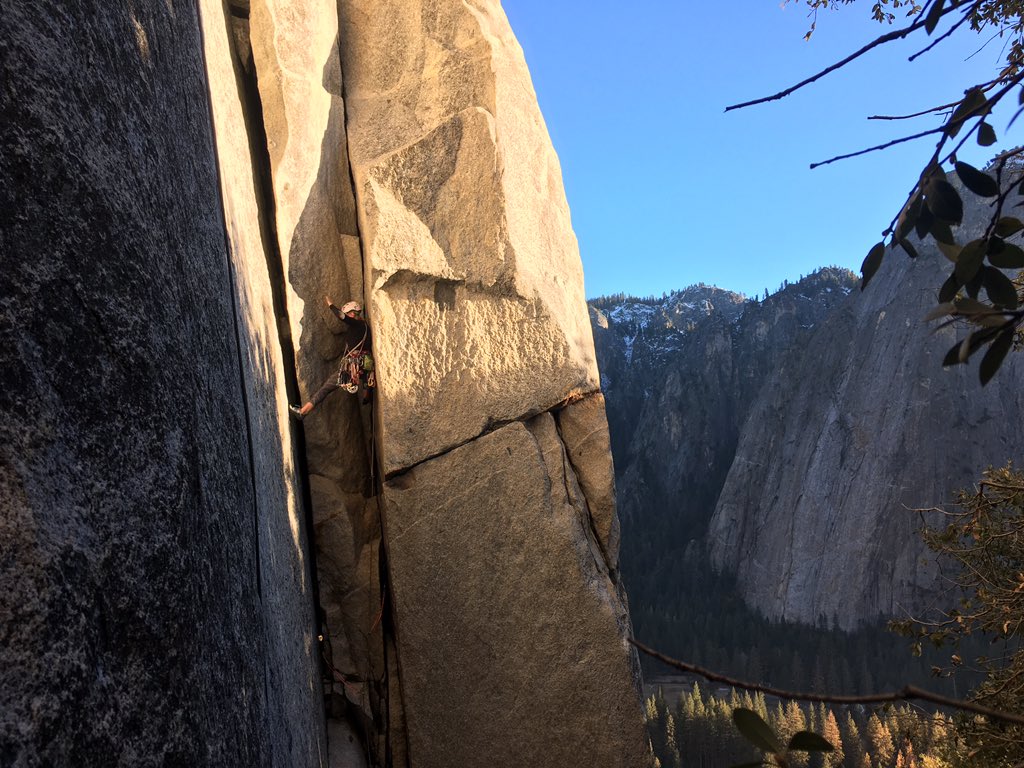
(185, 185)
(789, 438)
(855, 430)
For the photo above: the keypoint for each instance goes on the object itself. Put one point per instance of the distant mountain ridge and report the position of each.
(679, 375)
(728, 435)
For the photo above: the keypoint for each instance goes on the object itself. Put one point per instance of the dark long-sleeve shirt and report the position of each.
(357, 332)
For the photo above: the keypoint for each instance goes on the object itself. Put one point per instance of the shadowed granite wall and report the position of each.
(156, 604)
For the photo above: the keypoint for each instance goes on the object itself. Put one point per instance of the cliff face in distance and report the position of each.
(789, 437)
(680, 375)
(221, 167)
(854, 430)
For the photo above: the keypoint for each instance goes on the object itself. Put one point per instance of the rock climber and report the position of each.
(356, 361)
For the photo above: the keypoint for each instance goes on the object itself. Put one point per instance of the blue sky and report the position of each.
(666, 189)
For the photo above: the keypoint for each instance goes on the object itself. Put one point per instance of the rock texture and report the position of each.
(847, 435)
(680, 374)
(475, 279)
(297, 101)
(500, 544)
(507, 618)
(156, 605)
(178, 197)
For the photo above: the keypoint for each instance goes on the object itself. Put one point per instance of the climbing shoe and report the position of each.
(296, 411)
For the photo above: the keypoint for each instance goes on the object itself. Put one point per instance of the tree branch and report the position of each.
(985, 88)
(879, 147)
(881, 40)
(944, 35)
(1002, 486)
(922, 113)
(907, 693)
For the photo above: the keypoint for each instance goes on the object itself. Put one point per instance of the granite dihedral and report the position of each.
(502, 545)
(473, 271)
(302, 111)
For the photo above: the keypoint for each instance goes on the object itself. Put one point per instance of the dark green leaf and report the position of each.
(1008, 225)
(969, 262)
(907, 246)
(924, 223)
(942, 233)
(994, 245)
(973, 286)
(999, 288)
(755, 730)
(978, 182)
(944, 201)
(949, 288)
(809, 741)
(973, 103)
(908, 217)
(871, 264)
(951, 252)
(952, 358)
(986, 135)
(932, 19)
(1011, 257)
(995, 355)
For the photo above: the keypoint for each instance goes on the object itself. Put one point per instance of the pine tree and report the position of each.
(760, 705)
(651, 709)
(671, 743)
(794, 721)
(830, 730)
(852, 742)
(879, 742)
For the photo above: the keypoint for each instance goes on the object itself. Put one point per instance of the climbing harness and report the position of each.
(357, 366)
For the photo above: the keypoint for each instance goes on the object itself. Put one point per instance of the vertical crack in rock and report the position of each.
(237, 32)
(283, 527)
(239, 346)
(395, 734)
(499, 565)
(583, 428)
(316, 232)
(238, 35)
